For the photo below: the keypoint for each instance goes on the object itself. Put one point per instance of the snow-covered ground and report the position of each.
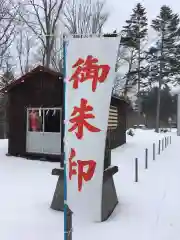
(147, 210)
(26, 190)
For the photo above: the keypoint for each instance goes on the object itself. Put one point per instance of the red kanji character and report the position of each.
(79, 116)
(72, 164)
(82, 175)
(89, 70)
(86, 176)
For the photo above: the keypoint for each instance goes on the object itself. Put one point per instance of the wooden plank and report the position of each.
(113, 118)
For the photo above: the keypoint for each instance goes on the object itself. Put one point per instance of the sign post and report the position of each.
(90, 73)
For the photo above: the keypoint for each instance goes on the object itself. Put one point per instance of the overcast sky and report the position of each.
(120, 10)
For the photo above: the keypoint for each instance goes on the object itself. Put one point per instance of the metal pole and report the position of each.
(139, 74)
(159, 150)
(65, 177)
(136, 169)
(154, 151)
(67, 211)
(146, 158)
(158, 107)
(69, 225)
(165, 142)
(162, 144)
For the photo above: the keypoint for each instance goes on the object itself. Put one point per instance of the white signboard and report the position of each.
(90, 67)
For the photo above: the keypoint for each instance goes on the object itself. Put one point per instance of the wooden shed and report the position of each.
(117, 122)
(35, 110)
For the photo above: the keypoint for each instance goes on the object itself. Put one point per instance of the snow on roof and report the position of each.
(175, 90)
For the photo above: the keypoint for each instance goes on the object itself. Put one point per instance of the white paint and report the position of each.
(87, 203)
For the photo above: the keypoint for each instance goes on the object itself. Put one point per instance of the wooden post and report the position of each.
(146, 158)
(170, 139)
(136, 169)
(159, 148)
(154, 151)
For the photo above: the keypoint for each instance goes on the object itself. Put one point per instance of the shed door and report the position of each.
(52, 131)
(34, 135)
(44, 131)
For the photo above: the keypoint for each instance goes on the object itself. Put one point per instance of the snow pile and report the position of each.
(26, 189)
(147, 210)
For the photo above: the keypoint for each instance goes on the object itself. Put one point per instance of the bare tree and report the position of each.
(125, 81)
(42, 17)
(57, 55)
(84, 17)
(39, 55)
(6, 77)
(7, 26)
(130, 79)
(24, 46)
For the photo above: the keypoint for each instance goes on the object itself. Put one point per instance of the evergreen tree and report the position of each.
(163, 61)
(167, 108)
(134, 37)
(135, 31)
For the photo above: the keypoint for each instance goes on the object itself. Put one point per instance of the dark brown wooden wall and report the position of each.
(46, 90)
(42, 90)
(117, 137)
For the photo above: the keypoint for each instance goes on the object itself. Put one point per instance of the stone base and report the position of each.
(109, 196)
(58, 198)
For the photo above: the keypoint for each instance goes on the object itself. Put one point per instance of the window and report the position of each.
(52, 120)
(113, 118)
(35, 120)
(44, 120)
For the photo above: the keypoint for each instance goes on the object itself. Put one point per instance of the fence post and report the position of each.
(159, 148)
(167, 140)
(170, 139)
(136, 169)
(162, 144)
(154, 151)
(146, 158)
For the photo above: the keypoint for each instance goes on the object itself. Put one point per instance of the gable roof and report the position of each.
(38, 69)
(29, 74)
